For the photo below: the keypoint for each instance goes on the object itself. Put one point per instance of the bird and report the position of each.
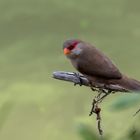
(96, 66)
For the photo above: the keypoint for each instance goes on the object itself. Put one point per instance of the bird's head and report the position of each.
(72, 48)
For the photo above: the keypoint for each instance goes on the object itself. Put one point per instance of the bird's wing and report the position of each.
(97, 64)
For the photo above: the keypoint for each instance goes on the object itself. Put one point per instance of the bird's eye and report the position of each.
(71, 47)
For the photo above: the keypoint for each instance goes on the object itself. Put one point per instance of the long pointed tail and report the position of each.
(130, 84)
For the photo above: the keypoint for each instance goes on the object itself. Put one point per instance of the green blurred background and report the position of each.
(33, 105)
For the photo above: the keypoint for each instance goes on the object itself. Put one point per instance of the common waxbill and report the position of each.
(96, 66)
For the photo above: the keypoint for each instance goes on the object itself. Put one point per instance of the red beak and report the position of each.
(66, 51)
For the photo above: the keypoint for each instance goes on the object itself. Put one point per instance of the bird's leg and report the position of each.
(79, 80)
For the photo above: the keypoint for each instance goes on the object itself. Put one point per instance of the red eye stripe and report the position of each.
(73, 45)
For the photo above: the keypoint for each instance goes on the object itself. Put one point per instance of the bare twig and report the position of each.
(136, 112)
(97, 110)
(99, 127)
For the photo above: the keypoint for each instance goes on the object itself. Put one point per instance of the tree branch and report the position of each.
(71, 77)
(101, 88)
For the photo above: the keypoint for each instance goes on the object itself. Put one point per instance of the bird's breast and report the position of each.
(75, 63)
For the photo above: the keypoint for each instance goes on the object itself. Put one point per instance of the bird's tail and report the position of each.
(129, 84)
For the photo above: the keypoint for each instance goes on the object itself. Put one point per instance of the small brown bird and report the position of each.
(95, 66)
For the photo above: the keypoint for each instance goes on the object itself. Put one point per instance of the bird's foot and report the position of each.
(79, 80)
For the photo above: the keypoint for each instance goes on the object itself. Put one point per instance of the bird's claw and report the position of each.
(79, 80)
